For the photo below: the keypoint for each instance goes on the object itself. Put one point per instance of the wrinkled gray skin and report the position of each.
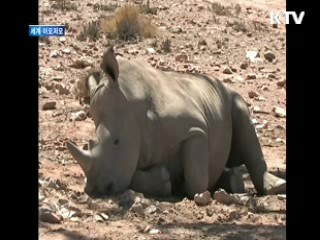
(160, 133)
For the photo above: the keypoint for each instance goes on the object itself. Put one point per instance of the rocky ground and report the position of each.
(235, 43)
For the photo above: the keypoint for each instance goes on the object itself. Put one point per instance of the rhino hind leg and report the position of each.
(195, 157)
(246, 150)
(154, 182)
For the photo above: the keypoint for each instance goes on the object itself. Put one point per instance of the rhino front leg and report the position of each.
(231, 180)
(195, 152)
(154, 182)
(246, 150)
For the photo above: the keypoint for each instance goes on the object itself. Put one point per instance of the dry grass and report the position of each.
(64, 5)
(166, 45)
(259, 26)
(237, 9)
(239, 26)
(90, 31)
(229, 11)
(149, 10)
(129, 24)
(220, 10)
(104, 7)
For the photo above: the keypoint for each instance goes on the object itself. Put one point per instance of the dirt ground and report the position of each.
(201, 40)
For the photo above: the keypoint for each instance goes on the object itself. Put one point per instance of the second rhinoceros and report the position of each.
(163, 132)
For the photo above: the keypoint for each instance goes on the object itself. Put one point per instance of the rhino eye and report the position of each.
(116, 142)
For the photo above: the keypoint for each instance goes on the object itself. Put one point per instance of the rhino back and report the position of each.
(170, 104)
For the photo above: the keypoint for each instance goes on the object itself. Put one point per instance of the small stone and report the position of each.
(251, 76)
(104, 216)
(274, 25)
(282, 196)
(78, 116)
(227, 80)
(62, 89)
(147, 228)
(267, 70)
(252, 94)
(244, 65)
(98, 218)
(81, 63)
(252, 55)
(203, 199)
(216, 68)
(49, 106)
(54, 183)
(151, 50)
(133, 51)
(227, 70)
(46, 216)
(177, 30)
(259, 126)
(261, 99)
(62, 39)
(239, 79)
(223, 197)
(233, 69)
(280, 140)
(151, 209)
(57, 78)
(209, 212)
(271, 76)
(67, 51)
(270, 56)
(137, 208)
(281, 83)
(202, 43)
(204, 229)
(280, 112)
(254, 121)
(154, 231)
(54, 54)
(58, 67)
(203, 48)
(256, 109)
(62, 201)
(75, 219)
(181, 58)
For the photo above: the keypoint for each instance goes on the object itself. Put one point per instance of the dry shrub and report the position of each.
(90, 31)
(220, 10)
(64, 5)
(104, 7)
(81, 90)
(166, 45)
(149, 10)
(128, 23)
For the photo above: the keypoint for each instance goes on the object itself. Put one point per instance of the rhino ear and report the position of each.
(92, 82)
(83, 157)
(109, 64)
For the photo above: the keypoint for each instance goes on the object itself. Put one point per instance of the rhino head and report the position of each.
(111, 159)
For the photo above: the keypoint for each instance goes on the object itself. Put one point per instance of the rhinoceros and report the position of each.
(163, 132)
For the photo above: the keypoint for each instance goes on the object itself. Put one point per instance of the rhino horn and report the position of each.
(83, 157)
(109, 64)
